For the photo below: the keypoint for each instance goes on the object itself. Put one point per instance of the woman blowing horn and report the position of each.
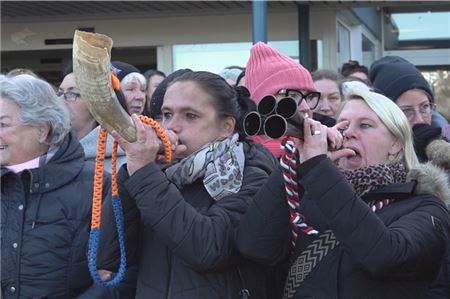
(181, 220)
(376, 226)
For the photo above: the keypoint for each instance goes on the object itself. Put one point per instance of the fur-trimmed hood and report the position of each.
(431, 179)
(438, 151)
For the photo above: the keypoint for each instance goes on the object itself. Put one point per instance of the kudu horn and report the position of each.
(91, 67)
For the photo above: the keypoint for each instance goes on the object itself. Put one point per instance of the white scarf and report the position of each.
(220, 163)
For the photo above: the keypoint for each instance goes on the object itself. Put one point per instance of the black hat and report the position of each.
(393, 75)
(158, 95)
(122, 69)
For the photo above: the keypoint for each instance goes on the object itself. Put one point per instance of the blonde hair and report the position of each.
(391, 116)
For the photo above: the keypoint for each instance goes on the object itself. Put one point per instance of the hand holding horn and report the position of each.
(91, 67)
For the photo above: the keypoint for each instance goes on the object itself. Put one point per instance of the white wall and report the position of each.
(164, 32)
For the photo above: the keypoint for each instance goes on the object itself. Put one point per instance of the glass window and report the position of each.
(210, 57)
(418, 30)
(213, 57)
(368, 51)
(343, 44)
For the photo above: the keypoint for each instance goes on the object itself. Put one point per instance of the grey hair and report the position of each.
(131, 76)
(38, 104)
(391, 116)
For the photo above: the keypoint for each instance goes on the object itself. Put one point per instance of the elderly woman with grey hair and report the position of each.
(46, 192)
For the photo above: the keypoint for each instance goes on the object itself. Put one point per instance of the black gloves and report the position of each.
(324, 119)
(423, 134)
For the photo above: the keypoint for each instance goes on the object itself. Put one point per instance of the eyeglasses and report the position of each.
(311, 98)
(424, 109)
(69, 96)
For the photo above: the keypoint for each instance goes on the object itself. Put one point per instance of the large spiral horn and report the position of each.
(91, 67)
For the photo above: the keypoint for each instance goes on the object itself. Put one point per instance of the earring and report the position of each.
(391, 158)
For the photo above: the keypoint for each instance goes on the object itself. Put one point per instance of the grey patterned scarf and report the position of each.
(220, 163)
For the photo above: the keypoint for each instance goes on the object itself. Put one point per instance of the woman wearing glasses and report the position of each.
(403, 83)
(375, 226)
(82, 121)
(269, 72)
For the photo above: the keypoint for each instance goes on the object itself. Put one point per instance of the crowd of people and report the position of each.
(355, 206)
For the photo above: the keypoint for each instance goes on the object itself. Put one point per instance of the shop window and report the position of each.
(343, 44)
(368, 51)
(213, 57)
(417, 31)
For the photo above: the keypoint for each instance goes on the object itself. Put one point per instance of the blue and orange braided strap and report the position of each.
(94, 236)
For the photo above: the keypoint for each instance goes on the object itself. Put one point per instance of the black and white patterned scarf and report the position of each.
(220, 163)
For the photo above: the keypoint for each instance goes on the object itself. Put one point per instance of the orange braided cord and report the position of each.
(114, 186)
(160, 132)
(98, 180)
(99, 165)
(115, 82)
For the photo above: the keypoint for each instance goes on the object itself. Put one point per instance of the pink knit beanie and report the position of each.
(268, 71)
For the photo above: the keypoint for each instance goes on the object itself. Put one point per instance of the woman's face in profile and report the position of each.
(189, 112)
(19, 143)
(367, 136)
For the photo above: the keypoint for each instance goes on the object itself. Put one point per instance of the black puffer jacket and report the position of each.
(45, 227)
(393, 253)
(186, 243)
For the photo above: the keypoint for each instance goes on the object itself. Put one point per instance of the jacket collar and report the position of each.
(423, 179)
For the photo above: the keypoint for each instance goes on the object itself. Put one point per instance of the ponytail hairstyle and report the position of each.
(246, 105)
(227, 100)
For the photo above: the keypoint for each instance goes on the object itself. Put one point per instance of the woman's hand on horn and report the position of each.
(315, 140)
(175, 145)
(141, 152)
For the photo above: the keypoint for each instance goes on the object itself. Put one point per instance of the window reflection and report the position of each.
(417, 31)
(213, 57)
(343, 45)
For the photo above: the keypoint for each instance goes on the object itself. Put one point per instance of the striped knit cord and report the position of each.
(116, 203)
(379, 204)
(289, 165)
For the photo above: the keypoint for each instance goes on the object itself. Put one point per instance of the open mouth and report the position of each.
(354, 160)
(3, 147)
(354, 149)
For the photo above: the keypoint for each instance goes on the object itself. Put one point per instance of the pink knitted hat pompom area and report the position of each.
(269, 71)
